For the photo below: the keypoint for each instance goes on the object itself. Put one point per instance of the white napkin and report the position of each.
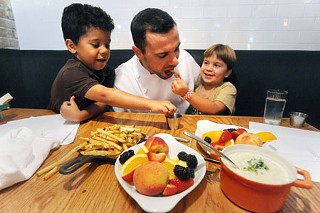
(54, 126)
(299, 147)
(26, 143)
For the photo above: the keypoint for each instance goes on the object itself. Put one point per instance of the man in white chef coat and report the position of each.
(158, 60)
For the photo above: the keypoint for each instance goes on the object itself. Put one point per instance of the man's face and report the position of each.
(161, 53)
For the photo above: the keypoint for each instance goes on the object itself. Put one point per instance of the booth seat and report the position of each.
(28, 74)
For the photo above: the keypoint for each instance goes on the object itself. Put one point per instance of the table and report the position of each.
(94, 187)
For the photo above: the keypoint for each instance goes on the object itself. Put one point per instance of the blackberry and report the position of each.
(182, 156)
(207, 139)
(192, 161)
(182, 172)
(191, 171)
(125, 156)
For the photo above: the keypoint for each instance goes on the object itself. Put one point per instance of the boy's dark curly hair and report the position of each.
(78, 18)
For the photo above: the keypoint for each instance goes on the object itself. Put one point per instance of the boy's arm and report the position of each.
(204, 105)
(70, 111)
(118, 98)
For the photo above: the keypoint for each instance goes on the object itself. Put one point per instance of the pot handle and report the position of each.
(306, 182)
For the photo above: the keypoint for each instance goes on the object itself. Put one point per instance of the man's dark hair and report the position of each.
(150, 20)
(78, 18)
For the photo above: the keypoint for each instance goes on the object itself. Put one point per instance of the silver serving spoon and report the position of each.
(210, 146)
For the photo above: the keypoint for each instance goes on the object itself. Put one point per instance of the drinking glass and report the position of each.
(274, 106)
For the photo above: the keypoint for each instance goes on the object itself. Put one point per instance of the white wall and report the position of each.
(243, 24)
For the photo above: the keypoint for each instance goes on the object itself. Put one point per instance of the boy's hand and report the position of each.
(179, 87)
(69, 109)
(165, 107)
(176, 74)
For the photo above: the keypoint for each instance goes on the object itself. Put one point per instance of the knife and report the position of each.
(210, 146)
(145, 137)
(181, 139)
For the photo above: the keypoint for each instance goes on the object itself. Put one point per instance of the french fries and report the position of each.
(107, 141)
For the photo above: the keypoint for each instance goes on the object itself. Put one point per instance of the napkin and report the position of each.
(26, 143)
(300, 147)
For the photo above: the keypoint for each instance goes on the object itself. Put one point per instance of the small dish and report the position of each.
(173, 121)
(297, 119)
(163, 204)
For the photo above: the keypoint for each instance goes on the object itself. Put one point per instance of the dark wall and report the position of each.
(294, 71)
(28, 74)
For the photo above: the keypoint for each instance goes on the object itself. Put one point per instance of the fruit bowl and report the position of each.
(160, 203)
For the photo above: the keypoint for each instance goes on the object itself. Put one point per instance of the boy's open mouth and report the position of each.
(102, 60)
(208, 74)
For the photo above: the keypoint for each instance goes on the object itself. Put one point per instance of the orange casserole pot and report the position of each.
(255, 196)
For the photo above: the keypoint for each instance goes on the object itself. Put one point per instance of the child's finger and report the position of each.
(72, 99)
(176, 74)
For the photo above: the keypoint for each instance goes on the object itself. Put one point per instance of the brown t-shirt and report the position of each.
(75, 79)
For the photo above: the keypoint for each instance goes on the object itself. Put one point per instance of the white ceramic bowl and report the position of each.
(163, 204)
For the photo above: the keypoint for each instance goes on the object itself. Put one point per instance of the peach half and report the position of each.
(248, 138)
(151, 178)
(158, 149)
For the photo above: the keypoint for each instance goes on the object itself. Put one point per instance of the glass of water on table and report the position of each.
(274, 106)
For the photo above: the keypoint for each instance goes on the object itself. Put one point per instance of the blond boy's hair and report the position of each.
(224, 53)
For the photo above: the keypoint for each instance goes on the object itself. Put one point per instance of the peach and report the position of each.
(248, 138)
(159, 157)
(158, 149)
(151, 178)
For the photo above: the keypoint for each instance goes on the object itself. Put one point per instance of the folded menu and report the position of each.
(26, 143)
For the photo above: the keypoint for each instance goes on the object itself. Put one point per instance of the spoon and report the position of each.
(210, 146)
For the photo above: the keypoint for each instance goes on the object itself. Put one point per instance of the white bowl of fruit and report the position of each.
(160, 172)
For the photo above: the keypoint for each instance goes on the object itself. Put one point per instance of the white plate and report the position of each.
(163, 204)
(204, 126)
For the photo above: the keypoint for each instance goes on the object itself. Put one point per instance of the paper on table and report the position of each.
(300, 147)
(27, 142)
(54, 126)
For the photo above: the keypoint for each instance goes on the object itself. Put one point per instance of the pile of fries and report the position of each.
(107, 141)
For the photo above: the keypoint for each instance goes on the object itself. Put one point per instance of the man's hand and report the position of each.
(165, 107)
